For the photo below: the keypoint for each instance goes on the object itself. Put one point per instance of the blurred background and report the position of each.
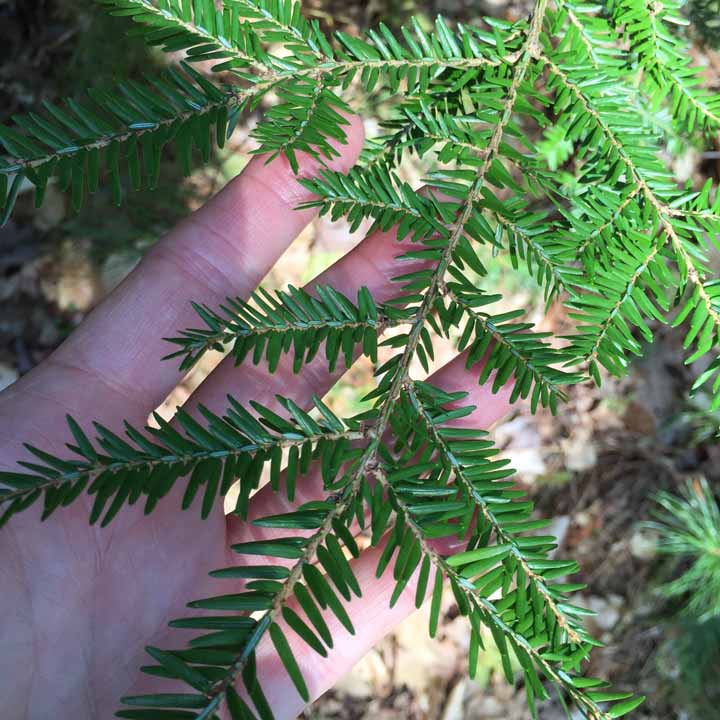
(596, 468)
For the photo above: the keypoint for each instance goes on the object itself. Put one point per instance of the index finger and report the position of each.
(225, 248)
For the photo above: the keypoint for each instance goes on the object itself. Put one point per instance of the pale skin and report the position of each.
(79, 603)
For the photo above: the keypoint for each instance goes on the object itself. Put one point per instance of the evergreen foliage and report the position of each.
(688, 526)
(616, 239)
(688, 529)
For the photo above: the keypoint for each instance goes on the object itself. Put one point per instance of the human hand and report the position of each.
(79, 603)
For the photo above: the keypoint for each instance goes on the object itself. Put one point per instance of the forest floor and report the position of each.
(594, 468)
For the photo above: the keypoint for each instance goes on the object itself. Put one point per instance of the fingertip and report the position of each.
(354, 139)
(278, 175)
(348, 150)
(489, 407)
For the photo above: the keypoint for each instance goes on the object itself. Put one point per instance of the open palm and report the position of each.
(78, 603)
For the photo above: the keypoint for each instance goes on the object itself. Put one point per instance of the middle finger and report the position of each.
(489, 408)
(373, 263)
